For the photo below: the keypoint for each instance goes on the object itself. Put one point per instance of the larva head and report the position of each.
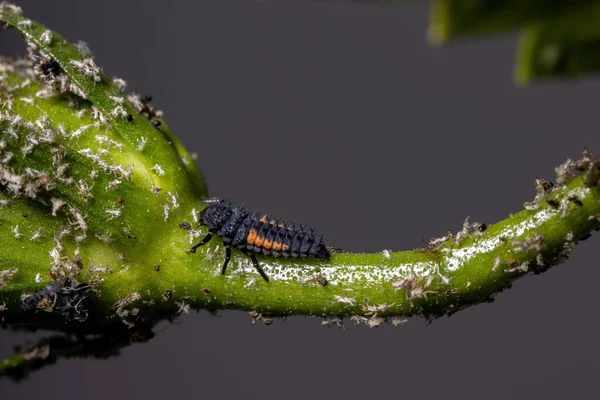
(215, 215)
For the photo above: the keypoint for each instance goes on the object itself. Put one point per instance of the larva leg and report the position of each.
(256, 265)
(201, 243)
(227, 258)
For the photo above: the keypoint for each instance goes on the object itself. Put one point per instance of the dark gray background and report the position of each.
(341, 116)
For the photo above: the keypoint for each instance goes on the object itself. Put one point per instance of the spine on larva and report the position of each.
(271, 237)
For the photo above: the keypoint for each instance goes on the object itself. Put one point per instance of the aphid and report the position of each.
(50, 68)
(83, 48)
(593, 177)
(322, 280)
(553, 203)
(185, 225)
(575, 200)
(149, 111)
(255, 233)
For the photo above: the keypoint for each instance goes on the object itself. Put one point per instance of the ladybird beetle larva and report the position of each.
(254, 233)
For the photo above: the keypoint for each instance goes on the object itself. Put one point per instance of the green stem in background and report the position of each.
(97, 209)
(450, 19)
(49, 349)
(560, 39)
(566, 47)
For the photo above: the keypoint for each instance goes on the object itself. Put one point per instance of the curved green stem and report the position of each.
(91, 223)
(426, 282)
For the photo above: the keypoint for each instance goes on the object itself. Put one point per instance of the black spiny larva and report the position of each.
(257, 233)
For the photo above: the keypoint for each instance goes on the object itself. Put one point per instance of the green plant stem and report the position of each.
(565, 47)
(450, 19)
(461, 275)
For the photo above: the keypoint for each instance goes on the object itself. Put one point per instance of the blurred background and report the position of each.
(340, 115)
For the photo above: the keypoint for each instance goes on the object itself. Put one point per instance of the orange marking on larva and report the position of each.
(286, 247)
(259, 241)
(272, 222)
(281, 225)
(267, 245)
(251, 236)
(263, 219)
(276, 246)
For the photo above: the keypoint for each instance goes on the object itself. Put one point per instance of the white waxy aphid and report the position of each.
(88, 67)
(520, 268)
(46, 37)
(330, 321)
(16, 232)
(57, 205)
(496, 264)
(85, 190)
(569, 237)
(119, 83)
(174, 197)
(117, 99)
(82, 129)
(105, 140)
(158, 169)
(95, 113)
(345, 300)
(105, 237)
(141, 143)
(183, 308)
(119, 112)
(399, 321)
(113, 213)
(113, 185)
(79, 220)
(36, 235)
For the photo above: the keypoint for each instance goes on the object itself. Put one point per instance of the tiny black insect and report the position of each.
(553, 203)
(257, 233)
(322, 280)
(185, 225)
(51, 67)
(575, 200)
